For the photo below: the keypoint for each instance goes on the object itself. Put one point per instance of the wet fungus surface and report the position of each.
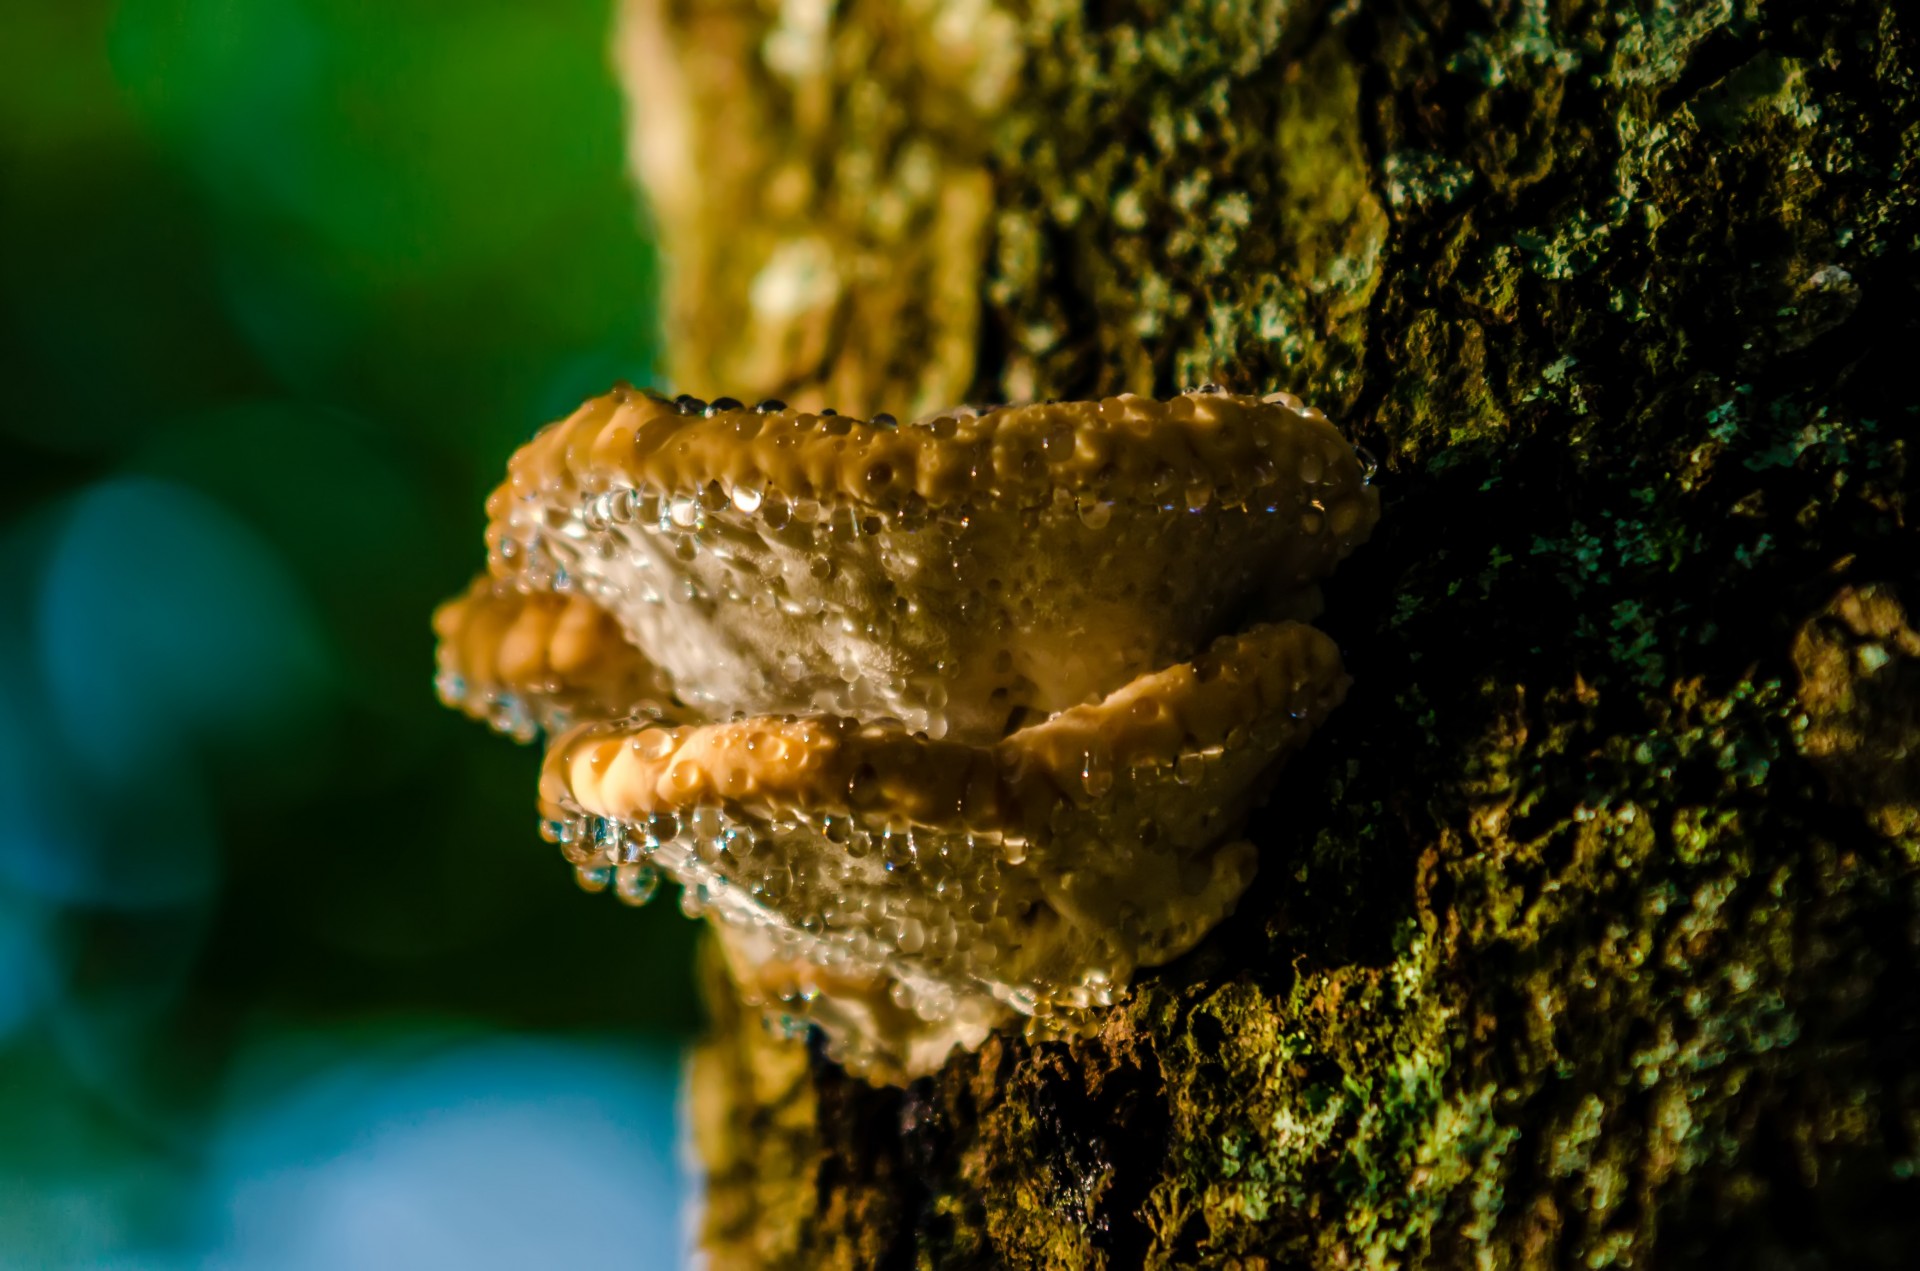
(944, 723)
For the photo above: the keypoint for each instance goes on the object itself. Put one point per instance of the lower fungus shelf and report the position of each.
(930, 769)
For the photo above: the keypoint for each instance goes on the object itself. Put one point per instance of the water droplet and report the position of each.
(654, 743)
(1095, 513)
(636, 884)
(1096, 774)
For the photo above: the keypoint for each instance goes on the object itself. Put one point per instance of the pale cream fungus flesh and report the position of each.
(945, 723)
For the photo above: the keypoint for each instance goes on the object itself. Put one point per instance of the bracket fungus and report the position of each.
(945, 723)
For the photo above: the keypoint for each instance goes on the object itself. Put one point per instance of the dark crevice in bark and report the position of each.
(1720, 54)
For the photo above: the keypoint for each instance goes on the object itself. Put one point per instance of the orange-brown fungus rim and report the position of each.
(828, 765)
(1122, 447)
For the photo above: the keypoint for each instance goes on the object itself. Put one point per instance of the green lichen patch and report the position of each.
(1183, 200)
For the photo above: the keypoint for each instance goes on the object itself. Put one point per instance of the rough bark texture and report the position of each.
(1589, 931)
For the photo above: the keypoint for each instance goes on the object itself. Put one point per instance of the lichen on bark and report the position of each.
(1588, 931)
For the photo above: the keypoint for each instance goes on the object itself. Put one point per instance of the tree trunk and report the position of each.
(1586, 932)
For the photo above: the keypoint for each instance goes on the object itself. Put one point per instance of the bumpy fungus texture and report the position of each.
(944, 723)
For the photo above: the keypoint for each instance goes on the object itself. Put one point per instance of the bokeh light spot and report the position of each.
(165, 624)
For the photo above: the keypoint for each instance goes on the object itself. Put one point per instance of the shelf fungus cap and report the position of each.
(963, 574)
(872, 874)
(946, 724)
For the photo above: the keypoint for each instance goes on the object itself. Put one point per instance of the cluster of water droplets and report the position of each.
(962, 925)
(504, 711)
(944, 911)
(967, 618)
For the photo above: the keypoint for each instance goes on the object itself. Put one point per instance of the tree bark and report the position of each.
(1587, 932)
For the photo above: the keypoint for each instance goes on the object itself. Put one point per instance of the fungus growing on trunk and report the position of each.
(944, 723)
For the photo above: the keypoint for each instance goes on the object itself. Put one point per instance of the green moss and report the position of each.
(1184, 214)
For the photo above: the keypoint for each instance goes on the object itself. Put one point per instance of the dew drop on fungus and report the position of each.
(636, 884)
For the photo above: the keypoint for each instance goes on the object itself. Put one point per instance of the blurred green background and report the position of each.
(283, 963)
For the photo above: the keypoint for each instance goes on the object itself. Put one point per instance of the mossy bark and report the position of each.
(1589, 931)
